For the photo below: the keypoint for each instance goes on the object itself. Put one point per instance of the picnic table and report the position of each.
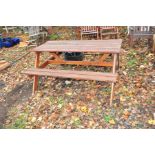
(103, 47)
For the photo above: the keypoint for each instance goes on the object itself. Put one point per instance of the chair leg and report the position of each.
(131, 41)
(97, 36)
(117, 35)
(150, 43)
(101, 36)
(81, 37)
(112, 93)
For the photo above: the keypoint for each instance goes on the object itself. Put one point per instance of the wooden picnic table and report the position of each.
(102, 47)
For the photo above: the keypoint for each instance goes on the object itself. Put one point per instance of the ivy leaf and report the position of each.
(107, 118)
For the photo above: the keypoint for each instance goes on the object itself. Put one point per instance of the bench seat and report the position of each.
(83, 75)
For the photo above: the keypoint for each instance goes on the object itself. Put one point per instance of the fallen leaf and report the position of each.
(88, 96)
(134, 123)
(40, 119)
(69, 93)
(23, 44)
(112, 122)
(53, 116)
(33, 119)
(151, 121)
(126, 113)
(125, 73)
(122, 99)
(91, 123)
(84, 109)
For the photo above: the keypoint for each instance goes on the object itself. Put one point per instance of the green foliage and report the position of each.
(149, 101)
(107, 118)
(132, 63)
(54, 37)
(20, 123)
(51, 99)
(60, 102)
(106, 89)
(76, 122)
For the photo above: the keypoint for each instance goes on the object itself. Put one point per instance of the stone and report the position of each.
(67, 82)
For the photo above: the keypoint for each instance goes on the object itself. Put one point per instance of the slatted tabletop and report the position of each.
(93, 46)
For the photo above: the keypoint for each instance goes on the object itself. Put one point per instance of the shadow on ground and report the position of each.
(19, 94)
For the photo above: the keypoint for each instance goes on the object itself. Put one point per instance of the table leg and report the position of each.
(114, 63)
(113, 71)
(112, 93)
(118, 62)
(35, 81)
(154, 43)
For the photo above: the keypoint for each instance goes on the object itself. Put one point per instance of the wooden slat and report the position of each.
(107, 27)
(4, 66)
(46, 62)
(68, 71)
(103, 57)
(85, 75)
(109, 33)
(2, 62)
(84, 63)
(88, 28)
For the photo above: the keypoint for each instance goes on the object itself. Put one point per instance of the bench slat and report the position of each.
(85, 75)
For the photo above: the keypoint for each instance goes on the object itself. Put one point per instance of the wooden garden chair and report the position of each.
(35, 33)
(136, 32)
(108, 30)
(9, 28)
(89, 30)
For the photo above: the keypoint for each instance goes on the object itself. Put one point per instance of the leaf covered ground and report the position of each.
(65, 103)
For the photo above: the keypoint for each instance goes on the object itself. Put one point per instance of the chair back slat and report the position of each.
(107, 27)
(89, 28)
(32, 30)
(138, 30)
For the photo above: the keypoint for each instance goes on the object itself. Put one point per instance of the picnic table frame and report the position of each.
(102, 47)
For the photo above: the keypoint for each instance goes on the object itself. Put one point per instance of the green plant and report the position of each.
(107, 118)
(131, 73)
(132, 63)
(149, 101)
(54, 37)
(51, 99)
(60, 102)
(20, 123)
(76, 122)
(107, 89)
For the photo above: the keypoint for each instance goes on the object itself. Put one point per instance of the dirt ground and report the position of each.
(65, 103)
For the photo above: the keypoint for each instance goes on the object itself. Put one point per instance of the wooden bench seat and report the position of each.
(83, 75)
(78, 75)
